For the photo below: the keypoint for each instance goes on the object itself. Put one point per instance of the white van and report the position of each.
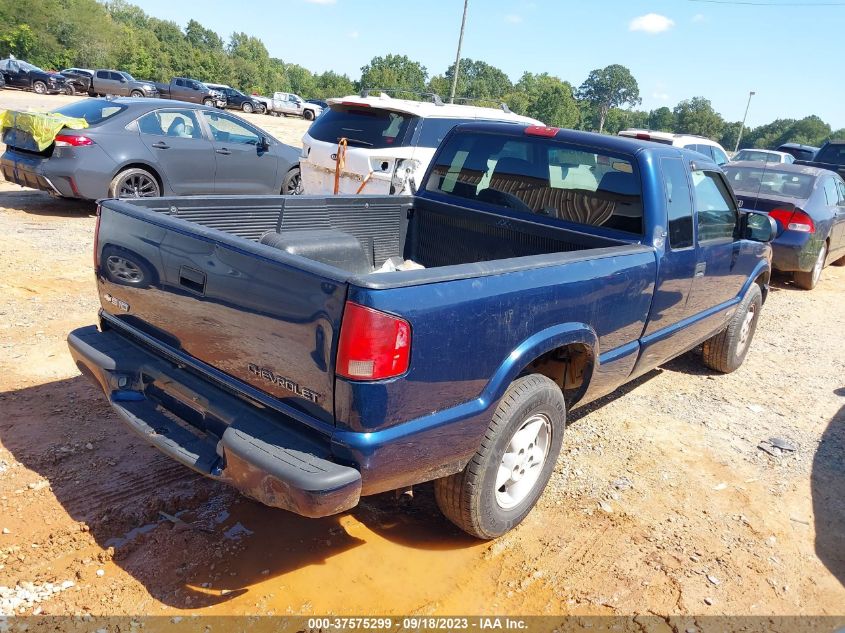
(381, 145)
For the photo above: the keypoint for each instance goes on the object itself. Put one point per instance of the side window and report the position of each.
(678, 202)
(831, 192)
(180, 82)
(226, 129)
(841, 184)
(102, 74)
(172, 123)
(116, 76)
(717, 218)
(719, 156)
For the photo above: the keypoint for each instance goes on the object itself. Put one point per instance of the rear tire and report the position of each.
(262, 109)
(810, 279)
(39, 88)
(70, 90)
(292, 184)
(134, 183)
(308, 115)
(726, 351)
(507, 475)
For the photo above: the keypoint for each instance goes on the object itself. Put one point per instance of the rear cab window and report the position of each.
(366, 127)
(832, 154)
(541, 176)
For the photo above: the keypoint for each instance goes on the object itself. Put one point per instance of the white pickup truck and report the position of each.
(290, 104)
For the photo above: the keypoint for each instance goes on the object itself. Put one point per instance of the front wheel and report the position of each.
(506, 476)
(809, 280)
(726, 351)
(292, 184)
(39, 87)
(136, 93)
(262, 109)
(69, 90)
(134, 183)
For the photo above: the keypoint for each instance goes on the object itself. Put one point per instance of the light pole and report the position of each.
(742, 127)
(458, 57)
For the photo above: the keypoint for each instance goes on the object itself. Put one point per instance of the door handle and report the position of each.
(700, 268)
(223, 151)
(161, 145)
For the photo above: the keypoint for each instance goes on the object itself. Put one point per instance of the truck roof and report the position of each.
(430, 110)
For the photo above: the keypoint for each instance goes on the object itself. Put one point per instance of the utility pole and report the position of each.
(742, 127)
(458, 57)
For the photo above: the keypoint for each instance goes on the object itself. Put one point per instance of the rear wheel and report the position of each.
(809, 280)
(309, 115)
(70, 90)
(506, 476)
(134, 183)
(262, 109)
(247, 107)
(726, 351)
(39, 87)
(292, 184)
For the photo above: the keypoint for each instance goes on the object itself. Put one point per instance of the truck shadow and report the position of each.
(40, 203)
(190, 541)
(828, 491)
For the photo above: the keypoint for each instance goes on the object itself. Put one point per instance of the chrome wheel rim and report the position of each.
(817, 269)
(745, 332)
(123, 269)
(39, 88)
(247, 108)
(138, 186)
(294, 187)
(523, 461)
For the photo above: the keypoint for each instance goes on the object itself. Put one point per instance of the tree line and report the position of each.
(57, 34)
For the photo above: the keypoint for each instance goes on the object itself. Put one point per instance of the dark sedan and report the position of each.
(152, 147)
(809, 207)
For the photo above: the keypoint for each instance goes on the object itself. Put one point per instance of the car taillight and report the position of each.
(539, 130)
(72, 140)
(794, 220)
(97, 239)
(643, 136)
(373, 345)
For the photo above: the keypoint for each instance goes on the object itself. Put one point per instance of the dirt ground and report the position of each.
(661, 503)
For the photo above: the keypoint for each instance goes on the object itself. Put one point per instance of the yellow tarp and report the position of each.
(41, 126)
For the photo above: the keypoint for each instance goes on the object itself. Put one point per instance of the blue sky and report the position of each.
(676, 49)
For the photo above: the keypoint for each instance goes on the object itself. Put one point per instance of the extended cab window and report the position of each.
(541, 176)
(678, 202)
(362, 127)
(717, 218)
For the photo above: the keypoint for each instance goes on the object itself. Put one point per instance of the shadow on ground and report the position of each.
(41, 203)
(120, 486)
(828, 490)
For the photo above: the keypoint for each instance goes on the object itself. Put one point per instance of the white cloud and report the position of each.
(698, 17)
(513, 18)
(321, 1)
(651, 23)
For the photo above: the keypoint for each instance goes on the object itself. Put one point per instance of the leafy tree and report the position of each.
(394, 71)
(610, 87)
(331, 84)
(838, 135)
(697, 116)
(730, 133)
(662, 119)
(19, 41)
(477, 80)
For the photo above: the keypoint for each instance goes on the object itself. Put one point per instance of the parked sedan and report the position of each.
(763, 156)
(152, 147)
(809, 206)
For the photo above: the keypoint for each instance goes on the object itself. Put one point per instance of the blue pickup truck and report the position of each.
(312, 350)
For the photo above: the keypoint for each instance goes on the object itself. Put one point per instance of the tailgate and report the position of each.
(255, 313)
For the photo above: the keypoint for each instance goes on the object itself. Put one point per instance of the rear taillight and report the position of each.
(72, 140)
(97, 239)
(373, 345)
(643, 137)
(793, 220)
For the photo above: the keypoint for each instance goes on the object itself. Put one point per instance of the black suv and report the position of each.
(24, 76)
(237, 100)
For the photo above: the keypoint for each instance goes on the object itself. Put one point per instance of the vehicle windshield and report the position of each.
(127, 76)
(94, 111)
(362, 127)
(750, 154)
(29, 67)
(763, 180)
(543, 177)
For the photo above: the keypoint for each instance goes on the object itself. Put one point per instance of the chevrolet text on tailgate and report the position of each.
(309, 351)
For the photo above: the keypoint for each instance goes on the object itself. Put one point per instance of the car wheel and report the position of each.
(506, 476)
(39, 87)
(134, 183)
(208, 102)
(136, 93)
(308, 115)
(726, 351)
(262, 109)
(809, 280)
(70, 90)
(247, 107)
(292, 184)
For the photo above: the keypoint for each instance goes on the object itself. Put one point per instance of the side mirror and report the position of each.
(264, 144)
(759, 227)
